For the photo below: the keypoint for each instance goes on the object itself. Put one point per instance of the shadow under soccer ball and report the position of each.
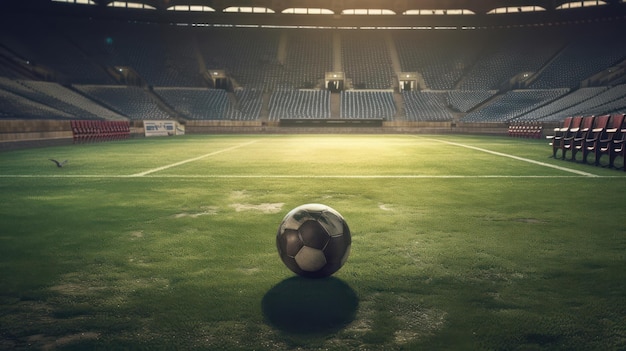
(310, 306)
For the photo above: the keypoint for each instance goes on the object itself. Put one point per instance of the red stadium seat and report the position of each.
(592, 138)
(577, 137)
(557, 138)
(612, 132)
(564, 134)
(618, 149)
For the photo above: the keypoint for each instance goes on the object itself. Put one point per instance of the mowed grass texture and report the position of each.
(169, 243)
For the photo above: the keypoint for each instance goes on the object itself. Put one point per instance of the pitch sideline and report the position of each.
(565, 169)
(141, 174)
(295, 176)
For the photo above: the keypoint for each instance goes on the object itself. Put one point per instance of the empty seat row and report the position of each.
(525, 129)
(591, 135)
(94, 131)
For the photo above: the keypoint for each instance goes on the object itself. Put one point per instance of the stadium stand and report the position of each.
(299, 104)
(465, 101)
(197, 103)
(132, 102)
(248, 104)
(426, 106)
(367, 104)
(366, 59)
(441, 56)
(600, 101)
(103, 68)
(514, 104)
(308, 58)
(247, 54)
(16, 106)
(62, 98)
(508, 54)
(558, 109)
(588, 52)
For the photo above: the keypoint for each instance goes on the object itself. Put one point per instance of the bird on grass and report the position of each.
(59, 164)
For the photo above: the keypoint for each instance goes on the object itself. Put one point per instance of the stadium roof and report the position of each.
(337, 6)
(336, 13)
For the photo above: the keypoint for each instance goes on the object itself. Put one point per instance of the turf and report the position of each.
(169, 243)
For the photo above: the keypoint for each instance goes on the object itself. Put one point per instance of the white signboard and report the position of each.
(163, 128)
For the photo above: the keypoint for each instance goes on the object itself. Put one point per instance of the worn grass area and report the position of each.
(169, 244)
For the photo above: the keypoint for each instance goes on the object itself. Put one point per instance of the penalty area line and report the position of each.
(565, 169)
(191, 159)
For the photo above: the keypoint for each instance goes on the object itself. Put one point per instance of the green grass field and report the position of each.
(459, 243)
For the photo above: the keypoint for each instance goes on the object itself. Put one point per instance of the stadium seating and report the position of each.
(577, 138)
(132, 102)
(618, 147)
(568, 135)
(508, 54)
(560, 108)
(466, 100)
(612, 132)
(513, 104)
(525, 129)
(358, 104)
(248, 104)
(426, 106)
(589, 53)
(75, 63)
(440, 56)
(95, 131)
(197, 103)
(16, 106)
(299, 104)
(366, 59)
(593, 135)
(556, 140)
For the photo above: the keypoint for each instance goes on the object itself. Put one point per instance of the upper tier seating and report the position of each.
(465, 101)
(58, 97)
(463, 68)
(603, 101)
(558, 109)
(16, 106)
(508, 54)
(513, 104)
(366, 59)
(132, 102)
(588, 52)
(441, 57)
(197, 103)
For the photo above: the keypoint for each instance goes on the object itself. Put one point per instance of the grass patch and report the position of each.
(453, 248)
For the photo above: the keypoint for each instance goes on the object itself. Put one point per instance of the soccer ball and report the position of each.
(313, 240)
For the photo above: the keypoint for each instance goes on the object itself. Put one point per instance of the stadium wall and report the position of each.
(234, 127)
(15, 134)
(23, 130)
(22, 133)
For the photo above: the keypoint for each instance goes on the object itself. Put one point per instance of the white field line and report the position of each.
(565, 169)
(295, 176)
(192, 159)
